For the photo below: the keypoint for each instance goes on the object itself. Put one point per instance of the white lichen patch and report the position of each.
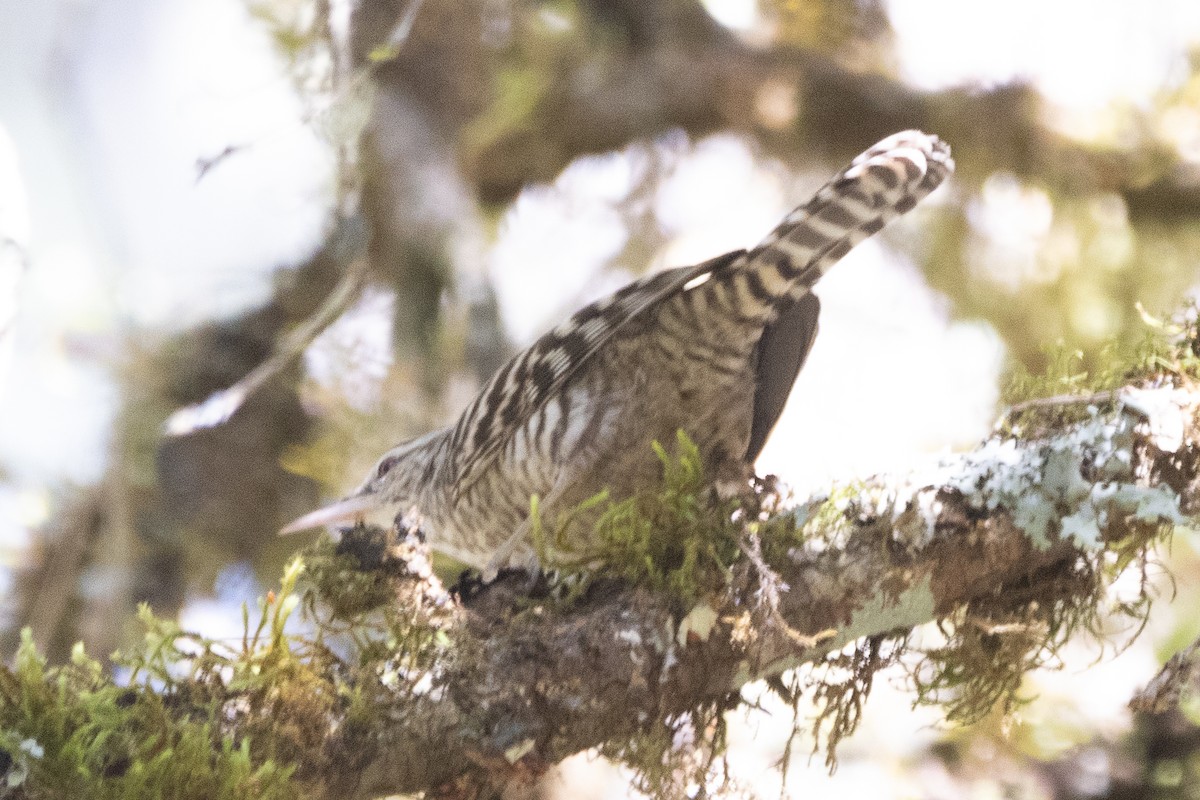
(1083, 526)
(698, 622)
(1048, 486)
(1166, 411)
(916, 529)
(631, 635)
(28, 750)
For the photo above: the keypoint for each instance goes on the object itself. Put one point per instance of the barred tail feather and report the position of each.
(881, 184)
(754, 288)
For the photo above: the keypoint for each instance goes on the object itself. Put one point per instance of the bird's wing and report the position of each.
(782, 351)
(522, 386)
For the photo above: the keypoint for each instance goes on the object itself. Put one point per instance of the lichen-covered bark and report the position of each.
(400, 686)
(534, 681)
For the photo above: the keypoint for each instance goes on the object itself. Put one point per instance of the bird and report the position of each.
(711, 350)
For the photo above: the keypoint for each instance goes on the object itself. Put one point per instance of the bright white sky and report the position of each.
(106, 105)
(1082, 54)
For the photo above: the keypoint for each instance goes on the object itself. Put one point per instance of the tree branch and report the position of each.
(402, 687)
(537, 687)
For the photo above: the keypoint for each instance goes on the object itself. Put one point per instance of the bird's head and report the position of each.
(400, 479)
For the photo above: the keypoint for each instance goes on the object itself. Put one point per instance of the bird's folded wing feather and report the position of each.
(782, 351)
(521, 387)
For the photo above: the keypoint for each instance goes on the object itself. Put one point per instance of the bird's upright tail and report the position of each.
(882, 183)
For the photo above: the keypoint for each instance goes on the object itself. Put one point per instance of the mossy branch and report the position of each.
(396, 685)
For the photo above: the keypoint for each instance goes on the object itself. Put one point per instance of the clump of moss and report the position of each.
(70, 731)
(356, 574)
(374, 601)
(201, 718)
(681, 539)
(994, 641)
(678, 538)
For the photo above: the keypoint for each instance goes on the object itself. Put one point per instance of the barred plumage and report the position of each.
(712, 349)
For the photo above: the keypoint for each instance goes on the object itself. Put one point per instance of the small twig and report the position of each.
(203, 165)
(404, 27)
(1095, 398)
(1004, 628)
(1108, 396)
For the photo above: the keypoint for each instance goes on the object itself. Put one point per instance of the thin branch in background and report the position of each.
(1178, 678)
(399, 34)
(1095, 398)
(218, 407)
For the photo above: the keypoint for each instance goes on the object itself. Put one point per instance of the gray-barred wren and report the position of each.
(711, 349)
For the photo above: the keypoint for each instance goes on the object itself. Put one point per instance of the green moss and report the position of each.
(680, 539)
(70, 732)
(1167, 351)
(354, 575)
(677, 538)
(201, 718)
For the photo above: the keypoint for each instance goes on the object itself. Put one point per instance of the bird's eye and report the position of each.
(386, 465)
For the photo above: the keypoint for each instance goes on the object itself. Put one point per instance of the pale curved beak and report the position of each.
(346, 510)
